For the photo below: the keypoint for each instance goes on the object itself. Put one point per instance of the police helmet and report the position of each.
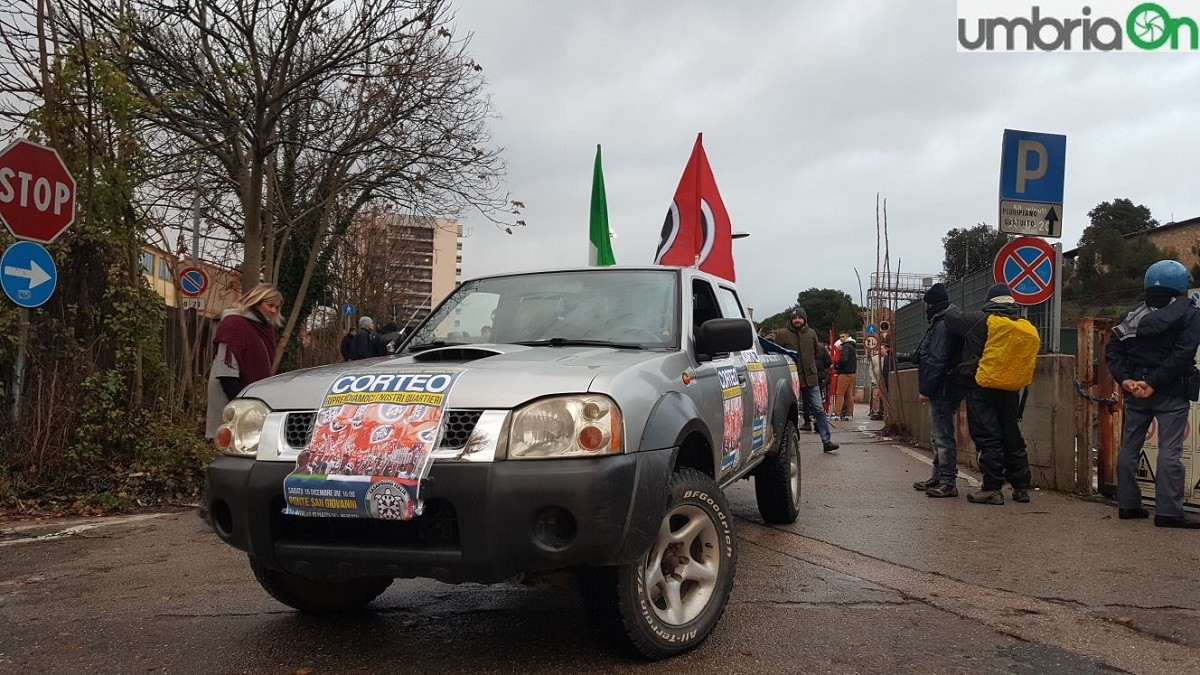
(1168, 274)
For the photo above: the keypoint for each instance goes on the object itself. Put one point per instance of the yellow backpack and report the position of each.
(1009, 354)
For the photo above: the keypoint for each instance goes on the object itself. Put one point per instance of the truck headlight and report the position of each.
(566, 426)
(243, 424)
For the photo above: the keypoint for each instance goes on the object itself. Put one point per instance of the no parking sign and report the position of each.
(1027, 265)
(193, 281)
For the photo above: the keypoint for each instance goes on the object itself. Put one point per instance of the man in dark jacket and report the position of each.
(992, 414)
(847, 368)
(389, 338)
(801, 339)
(1152, 355)
(937, 358)
(366, 343)
(348, 344)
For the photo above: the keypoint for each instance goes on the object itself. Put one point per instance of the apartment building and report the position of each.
(400, 266)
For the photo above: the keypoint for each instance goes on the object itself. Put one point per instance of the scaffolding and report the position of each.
(889, 291)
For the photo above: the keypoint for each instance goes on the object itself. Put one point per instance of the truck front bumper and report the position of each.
(482, 522)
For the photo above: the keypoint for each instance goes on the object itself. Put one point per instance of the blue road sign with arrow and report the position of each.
(28, 274)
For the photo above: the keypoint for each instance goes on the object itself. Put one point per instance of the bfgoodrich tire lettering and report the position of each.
(670, 601)
(777, 479)
(318, 596)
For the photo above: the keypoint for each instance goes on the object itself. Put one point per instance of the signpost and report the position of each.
(1028, 265)
(37, 193)
(37, 204)
(1032, 168)
(872, 342)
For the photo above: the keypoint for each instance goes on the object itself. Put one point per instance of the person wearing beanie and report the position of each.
(993, 415)
(1152, 356)
(802, 340)
(1000, 293)
(366, 343)
(842, 406)
(937, 358)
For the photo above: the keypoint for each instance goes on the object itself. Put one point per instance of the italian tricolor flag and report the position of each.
(600, 251)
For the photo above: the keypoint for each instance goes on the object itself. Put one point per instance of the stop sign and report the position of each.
(37, 193)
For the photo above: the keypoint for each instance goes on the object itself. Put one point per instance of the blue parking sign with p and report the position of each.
(1032, 166)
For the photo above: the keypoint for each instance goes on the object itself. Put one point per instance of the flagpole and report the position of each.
(698, 234)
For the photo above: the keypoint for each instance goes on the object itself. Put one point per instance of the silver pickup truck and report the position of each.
(595, 417)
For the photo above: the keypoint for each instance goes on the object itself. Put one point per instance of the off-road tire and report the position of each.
(777, 479)
(318, 596)
(621, 600)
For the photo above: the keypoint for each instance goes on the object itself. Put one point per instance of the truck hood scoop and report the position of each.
(454, 354)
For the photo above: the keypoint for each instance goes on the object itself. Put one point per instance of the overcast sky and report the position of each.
(808, 110)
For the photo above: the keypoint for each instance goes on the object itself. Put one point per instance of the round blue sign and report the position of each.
(193, 281)
(28, 274)
(347, 309)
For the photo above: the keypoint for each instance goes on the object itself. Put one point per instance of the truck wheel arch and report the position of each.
(786, 406)
(675, 422)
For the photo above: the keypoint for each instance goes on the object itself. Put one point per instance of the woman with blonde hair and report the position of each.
(244, 349)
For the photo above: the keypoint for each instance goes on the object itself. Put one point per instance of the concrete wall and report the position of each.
(1048, 425)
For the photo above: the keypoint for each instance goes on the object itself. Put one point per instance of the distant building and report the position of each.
(402, 264)
(1183, 236)
(160, 268)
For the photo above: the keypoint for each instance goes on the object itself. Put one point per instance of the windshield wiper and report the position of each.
(432, 345)
(572, 342)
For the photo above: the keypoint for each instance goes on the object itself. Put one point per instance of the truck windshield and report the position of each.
(623, 307)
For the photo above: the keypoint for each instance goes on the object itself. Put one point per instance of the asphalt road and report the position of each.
(874, 578)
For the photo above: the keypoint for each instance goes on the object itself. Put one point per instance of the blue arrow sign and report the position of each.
(28, 274)
(347, 309)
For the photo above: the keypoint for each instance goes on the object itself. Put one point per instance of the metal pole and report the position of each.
(196, 221)
(1056, 303)
(19, 368)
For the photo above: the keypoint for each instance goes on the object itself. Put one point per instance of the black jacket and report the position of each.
(848, 363)
(366, 345)
(823, 363)
(1158, 346)
(973, 329)
(938, 357)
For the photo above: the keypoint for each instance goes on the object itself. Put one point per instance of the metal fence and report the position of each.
(971, 294)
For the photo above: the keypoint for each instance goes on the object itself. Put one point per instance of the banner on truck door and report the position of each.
(731, 395)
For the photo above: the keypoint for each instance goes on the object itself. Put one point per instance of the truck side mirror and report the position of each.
(718, 337)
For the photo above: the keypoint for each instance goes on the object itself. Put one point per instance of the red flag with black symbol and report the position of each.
(697, 231)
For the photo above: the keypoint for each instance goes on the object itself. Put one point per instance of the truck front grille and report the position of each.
(457, 426)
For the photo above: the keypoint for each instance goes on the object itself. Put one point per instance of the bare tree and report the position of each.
(356, 99)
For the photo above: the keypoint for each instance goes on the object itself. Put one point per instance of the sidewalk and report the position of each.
(1057, 548)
